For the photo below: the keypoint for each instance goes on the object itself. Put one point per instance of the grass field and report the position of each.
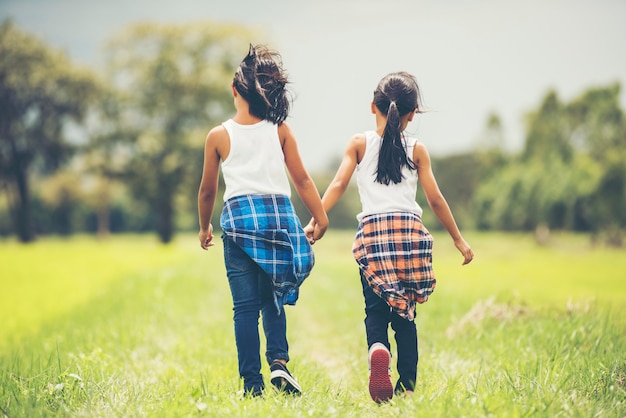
(128, 327)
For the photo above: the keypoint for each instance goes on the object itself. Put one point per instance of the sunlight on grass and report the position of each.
(127, 327)
(52, 277)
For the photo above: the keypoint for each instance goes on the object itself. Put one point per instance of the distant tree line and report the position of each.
(120, 150)
(570, 175)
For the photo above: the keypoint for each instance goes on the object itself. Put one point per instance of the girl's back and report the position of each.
(255, 163)
(382, 198)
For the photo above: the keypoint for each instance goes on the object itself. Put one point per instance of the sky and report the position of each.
(471, 57)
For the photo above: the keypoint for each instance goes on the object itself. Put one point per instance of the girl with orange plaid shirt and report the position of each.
(392, 247)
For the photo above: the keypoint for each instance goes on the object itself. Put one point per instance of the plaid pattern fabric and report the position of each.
(267, 228)
(394, 253)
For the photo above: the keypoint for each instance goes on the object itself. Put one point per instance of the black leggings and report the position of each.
(378, 315)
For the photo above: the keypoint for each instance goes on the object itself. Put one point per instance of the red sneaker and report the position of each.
(380, 386)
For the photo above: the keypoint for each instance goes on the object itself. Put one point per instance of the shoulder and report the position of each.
(284, 130)
(419, 146)
(356, 146)
(218, 141)
(218, 133)
(358, 140)
(420, 152)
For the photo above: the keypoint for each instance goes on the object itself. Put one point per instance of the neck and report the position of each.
(381, 122)
(245, 118)
(243, 115)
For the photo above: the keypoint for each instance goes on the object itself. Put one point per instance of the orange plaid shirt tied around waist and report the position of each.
(394, 253)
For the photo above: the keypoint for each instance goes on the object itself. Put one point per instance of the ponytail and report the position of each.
(392, 156)
(397, 95)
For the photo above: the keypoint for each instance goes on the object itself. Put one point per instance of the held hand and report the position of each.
(309, 231)
(206, 237)
(319, 231)
(466, 251)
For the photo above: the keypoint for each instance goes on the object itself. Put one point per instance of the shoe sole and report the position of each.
(285, 382)
(380, 386)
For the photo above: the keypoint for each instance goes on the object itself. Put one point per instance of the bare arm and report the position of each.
(302, 181)
(437, 202)
(207, 192)
(338, 186)
(352, 155)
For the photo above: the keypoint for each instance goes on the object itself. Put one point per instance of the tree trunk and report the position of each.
(165, 218)
(103, 210)
(23, 212)
(104, 226)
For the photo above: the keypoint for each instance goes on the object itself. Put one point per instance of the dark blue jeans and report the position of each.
(378, 316)
(252, 294)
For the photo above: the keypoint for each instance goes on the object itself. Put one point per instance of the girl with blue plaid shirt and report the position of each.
(392, 247)
(266, 252)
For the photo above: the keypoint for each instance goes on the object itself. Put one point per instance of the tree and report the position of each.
(599, 128)
(63, 196)
(548, 134)
(460, 175)
(571, 174)
(174, 84)
(41, 92)
(597, 122)
(527, 195)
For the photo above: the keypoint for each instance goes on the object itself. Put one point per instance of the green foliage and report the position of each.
(525, 196)
(173, 84)
(547, 135)
(597, 122)
(40, 93)
(571, 174)
(133, 159)
(458, 176)
(128, 327)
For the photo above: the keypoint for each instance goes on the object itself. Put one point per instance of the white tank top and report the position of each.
(380, 198)
(256, 163)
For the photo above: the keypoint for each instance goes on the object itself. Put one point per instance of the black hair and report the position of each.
(261, 81)
(397, 95)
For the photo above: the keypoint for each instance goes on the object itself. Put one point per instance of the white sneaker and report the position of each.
(283, 380)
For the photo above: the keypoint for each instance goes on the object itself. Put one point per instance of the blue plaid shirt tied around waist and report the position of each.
(394, 253)
(267, 228)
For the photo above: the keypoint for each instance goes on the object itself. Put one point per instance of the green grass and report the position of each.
(128, 327)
